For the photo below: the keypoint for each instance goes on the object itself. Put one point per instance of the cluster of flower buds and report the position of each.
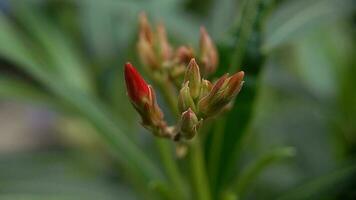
(202, 99)
(157, 55)
(198, 98)
(153, 48)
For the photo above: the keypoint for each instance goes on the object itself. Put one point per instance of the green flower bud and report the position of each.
(189, 124)
(222, 93)
(192, 76)
(185, 101)
(205, 88)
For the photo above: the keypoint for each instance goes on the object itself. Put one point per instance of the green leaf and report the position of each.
(250, 173)
(320, 185)
(56, 49)
(17, 90)
(297, 17)
(132, 158)
(56, 175)
(13, 48)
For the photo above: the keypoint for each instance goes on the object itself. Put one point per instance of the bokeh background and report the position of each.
(305, 94)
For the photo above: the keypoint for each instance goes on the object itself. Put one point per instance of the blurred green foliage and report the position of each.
(299, 91)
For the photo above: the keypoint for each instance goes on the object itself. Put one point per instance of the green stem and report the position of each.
(171, 168)
(216, 146)
(170, 165)
(199, 171)
(163, 190)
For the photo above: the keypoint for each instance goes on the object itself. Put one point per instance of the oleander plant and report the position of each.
(177, 100)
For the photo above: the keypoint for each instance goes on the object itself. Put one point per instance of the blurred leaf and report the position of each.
(249, 174)
(18, 90)
(14, 49)
(221, 14)
(120, 19)
(295, 18)
(130, 156)
(55, 175)
(313, 61)
(321, 187)
(58, 50)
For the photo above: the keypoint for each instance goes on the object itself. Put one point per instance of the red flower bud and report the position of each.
(137, 88)
(143, 98)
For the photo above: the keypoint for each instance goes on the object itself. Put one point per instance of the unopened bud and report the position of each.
(205, 88)
(145, 45)
(189, 124)
(146, 53)
(143, 98)
(164, 48)
(145, 28)
(193, 76)
(184, 54)
(154, 112)
(137, 88)
(185, 100)
(209, 55)
(234, 85)
(221, 94)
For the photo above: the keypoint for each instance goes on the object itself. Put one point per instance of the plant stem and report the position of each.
(170, 165)
(163, 190)
(171, 168)
(199, 171)
(215, 150)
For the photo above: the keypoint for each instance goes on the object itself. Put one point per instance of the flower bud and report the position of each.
(208, 53)
(234, 85)
(184, 54)
(192, 76)
(145, 28)
(205, 88)
(221, 94)
(145, 45)
(146, 53)
(153, 115)
(165, 49)
(185, 100)
(143, 98)
(189, 124)
(137, 88)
